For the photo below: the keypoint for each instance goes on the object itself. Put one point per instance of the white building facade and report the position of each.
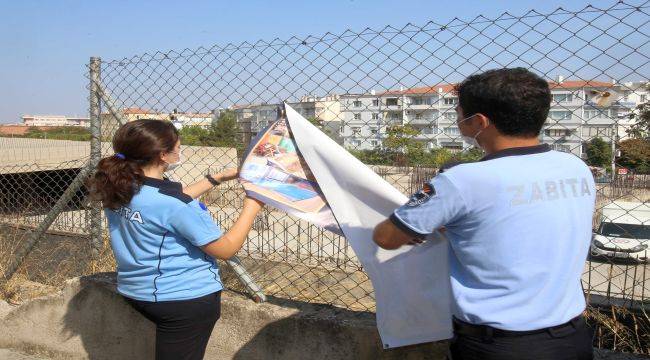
(55, 120)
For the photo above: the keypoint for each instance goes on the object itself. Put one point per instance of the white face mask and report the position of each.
(471, 139)
(172, 166)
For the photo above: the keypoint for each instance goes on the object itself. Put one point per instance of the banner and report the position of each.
(411, 284)
(275, 174)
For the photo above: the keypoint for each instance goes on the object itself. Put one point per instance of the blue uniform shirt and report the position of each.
(156, 239)
(519, 223)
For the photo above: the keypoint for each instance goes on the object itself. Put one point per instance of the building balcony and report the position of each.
(425, 136)
(421, 106)
(394, 122)
(423, 121)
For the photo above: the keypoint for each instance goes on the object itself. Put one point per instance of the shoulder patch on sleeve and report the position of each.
(422, 196)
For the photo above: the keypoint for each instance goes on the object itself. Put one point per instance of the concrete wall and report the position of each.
(88, 320)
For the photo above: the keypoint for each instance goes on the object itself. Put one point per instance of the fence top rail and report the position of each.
(429, 27)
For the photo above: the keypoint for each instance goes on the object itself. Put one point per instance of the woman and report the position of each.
(163, 239)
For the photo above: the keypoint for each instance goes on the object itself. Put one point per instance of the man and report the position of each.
(518, 222)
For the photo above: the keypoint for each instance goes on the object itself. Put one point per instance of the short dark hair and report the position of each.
(516, 100)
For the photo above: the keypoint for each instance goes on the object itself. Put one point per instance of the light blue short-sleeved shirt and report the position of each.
(519, 223)
(156, 240)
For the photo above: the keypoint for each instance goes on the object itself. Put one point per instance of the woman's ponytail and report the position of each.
(115, 181)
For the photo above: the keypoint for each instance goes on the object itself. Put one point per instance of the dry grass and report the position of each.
(54, 259)
(619, 329)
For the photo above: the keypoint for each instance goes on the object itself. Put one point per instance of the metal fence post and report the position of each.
(95, 152)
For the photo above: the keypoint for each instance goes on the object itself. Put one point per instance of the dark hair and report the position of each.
(516, 100)
(136, 144)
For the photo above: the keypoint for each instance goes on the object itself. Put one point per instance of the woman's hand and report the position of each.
(252, 205)
(227, 174)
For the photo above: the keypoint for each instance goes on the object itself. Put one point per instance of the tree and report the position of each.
(225, 132)
(471, 155)
(440, 156)
(599, 153)
(400, 140)
(319, 124)
(635, 155)
(374, 156)
(193, 135)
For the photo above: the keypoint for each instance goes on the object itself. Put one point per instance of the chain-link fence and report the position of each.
(387, 95)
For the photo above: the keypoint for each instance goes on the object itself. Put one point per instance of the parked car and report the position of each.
(624, 232)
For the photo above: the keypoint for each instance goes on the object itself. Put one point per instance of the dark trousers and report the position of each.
(183, 327)
(571, 341)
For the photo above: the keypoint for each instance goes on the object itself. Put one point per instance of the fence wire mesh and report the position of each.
(387, 96)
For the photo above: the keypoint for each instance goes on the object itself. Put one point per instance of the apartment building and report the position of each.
(574, 117)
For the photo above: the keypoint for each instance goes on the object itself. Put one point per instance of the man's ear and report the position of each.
(484, 121)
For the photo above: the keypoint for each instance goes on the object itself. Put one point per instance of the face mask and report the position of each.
(471, 139)
(172, 166)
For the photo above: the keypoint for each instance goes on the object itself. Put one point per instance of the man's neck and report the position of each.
(506, 142)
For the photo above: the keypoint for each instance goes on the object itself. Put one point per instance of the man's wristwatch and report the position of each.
(212, 180)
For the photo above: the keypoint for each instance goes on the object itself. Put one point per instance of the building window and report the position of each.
(374, 131)
(560, 98)
(356, 103)
(452, 130)
(356, 142)
(560, 115)
(418, 116)
(374, 143)
(421, 101)
(596, 131)
(391, 102)
(395, 116)
(450, 116)
(557, 132)
(560, 147)
(357, 116)
(596, 113)
(643, 98)
(356, 130)
(375, 116)
(375, 102)
(451, 101)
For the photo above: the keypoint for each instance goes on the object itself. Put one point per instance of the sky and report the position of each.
(47, 44)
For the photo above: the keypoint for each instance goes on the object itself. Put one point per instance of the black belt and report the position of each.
(487, 332)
